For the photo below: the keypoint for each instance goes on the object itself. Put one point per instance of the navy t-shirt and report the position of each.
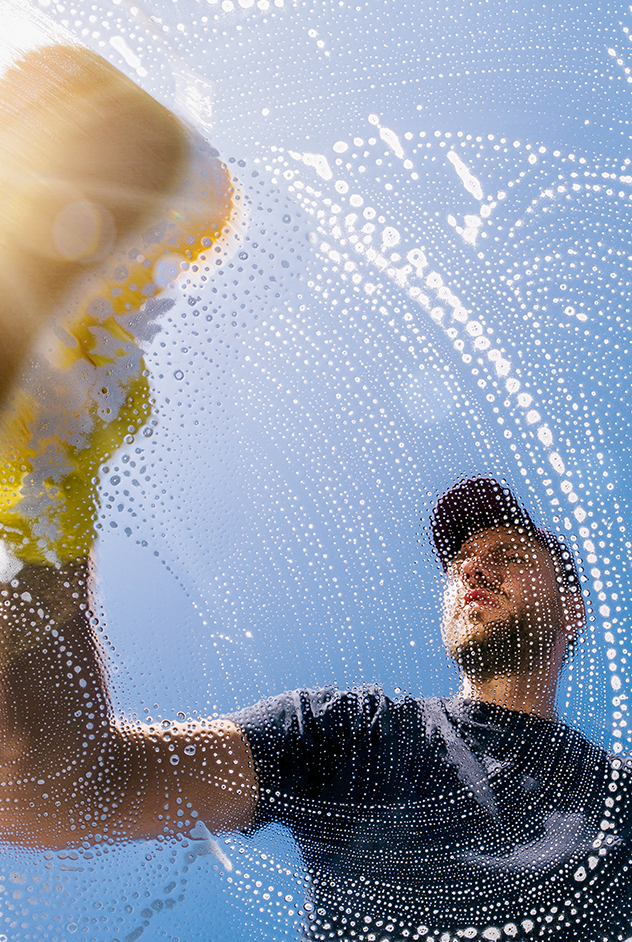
(442, 819)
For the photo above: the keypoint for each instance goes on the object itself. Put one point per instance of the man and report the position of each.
(475, 816)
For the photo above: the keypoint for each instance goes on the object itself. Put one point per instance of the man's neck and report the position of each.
(529, 693)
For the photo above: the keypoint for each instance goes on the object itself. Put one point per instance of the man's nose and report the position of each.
(481, 570)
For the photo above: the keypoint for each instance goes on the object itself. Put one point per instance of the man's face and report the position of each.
(503, 610)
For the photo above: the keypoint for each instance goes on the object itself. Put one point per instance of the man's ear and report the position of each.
(575, 614)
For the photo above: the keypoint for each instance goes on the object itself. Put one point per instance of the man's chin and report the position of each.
(477, 625)
(482, 644)
(485, 648)
(490, 612)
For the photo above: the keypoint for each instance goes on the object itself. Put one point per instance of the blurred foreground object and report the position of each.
(106, 198)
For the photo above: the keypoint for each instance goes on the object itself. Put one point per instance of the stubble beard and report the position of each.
(512, 646)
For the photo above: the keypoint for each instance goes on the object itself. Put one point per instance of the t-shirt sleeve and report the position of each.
(299, 740)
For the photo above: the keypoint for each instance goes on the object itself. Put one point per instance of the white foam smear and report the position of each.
(391, 140)
(118, 43)
(468, 179)
(317, 161)
(205, 844)
(194, 92)
(10, 565)
(24, 29)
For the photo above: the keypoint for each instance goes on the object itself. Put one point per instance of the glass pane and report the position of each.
(331, 396)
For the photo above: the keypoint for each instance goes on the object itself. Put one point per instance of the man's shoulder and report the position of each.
(369, 698)
(315, 702)
(363, 705)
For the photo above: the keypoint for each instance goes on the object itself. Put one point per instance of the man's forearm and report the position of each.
(57, 738)
(69, 769)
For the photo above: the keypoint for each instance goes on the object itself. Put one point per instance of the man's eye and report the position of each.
(514, 558)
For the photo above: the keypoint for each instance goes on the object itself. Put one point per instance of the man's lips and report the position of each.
(480, 597)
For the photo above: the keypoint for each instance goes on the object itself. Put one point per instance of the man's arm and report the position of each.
(68, 769)
(85, 159)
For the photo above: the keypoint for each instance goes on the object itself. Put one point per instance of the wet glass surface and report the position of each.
(422, 277)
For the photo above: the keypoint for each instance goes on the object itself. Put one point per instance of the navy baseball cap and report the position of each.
(477, 504)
